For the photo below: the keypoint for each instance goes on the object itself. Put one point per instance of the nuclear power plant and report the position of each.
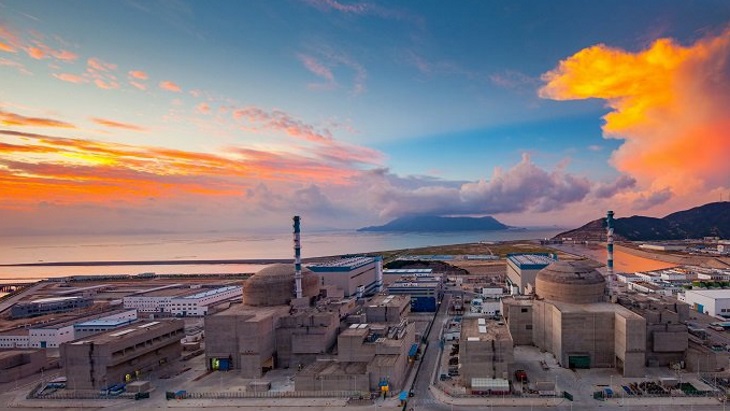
(292, 316)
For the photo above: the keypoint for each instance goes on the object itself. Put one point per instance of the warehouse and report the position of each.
(48, 306)
(424, 292)
(523, 268)
(715, 303)
(486, 350)
(356, 276)
(198, 303)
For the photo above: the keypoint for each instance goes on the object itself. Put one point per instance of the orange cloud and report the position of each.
(34, 167)
(670, 104)
(13, 119)
(64, 55)
(138, 74)
(118, 124)
(203, 108)
(170, 86)
(36, 52)
(139, 86)
(96, 64)
(106, 85)
(6, 47)
(71, 78)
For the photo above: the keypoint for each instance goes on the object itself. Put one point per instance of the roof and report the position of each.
(208, 293)
(103, 322)
(571, 272)
(711, 293)
(408, 271)
(343, 264)
(135, 329)
(54, 299)
(530, 261)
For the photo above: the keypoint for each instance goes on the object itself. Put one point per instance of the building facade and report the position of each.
(51, 305)
(119, 356)
(715, 303)
(523, 268)
(356, 276)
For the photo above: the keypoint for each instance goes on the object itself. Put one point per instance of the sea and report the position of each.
(213, 246)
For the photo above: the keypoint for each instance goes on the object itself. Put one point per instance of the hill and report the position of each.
(711, 219)
(439, 224)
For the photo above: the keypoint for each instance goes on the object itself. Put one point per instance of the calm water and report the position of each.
(622, 262)
(211, 247)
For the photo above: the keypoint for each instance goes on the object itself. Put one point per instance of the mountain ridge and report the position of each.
(712, 219)
(430, 223)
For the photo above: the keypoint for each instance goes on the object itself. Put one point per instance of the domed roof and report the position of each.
(571, 272)
(274, 285)
(277, 270)
(575, 282)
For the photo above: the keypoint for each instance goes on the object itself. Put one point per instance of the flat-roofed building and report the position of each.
(391, 275)
(104, 323)
(15, 338)
(118, 356)
(52, 335)
(523, 268)
(243, 338)
(387, 308)
(711, 302)
(198, 303)
(50, 305)
(424, 292)
(486, 349)
(354, 275)
(155, 300)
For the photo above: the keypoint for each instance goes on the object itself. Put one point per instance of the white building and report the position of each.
(711, 302)
(155, 300)
(17, 338)
(53, 335)
(197, 304)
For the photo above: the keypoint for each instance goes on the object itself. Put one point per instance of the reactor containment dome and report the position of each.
(274, 285)
(575, 282)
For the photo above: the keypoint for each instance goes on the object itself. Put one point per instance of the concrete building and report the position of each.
(376, 353)
(106, 322)
(198, 303)
(486, 350)
(391, 275)
(17, 364)
(711, 302)
(666, 333)
(155, 300)
(391, 309)
(52, 335)
(571, 321)
(517, 312)
(425, 292)
(303, 336)
(350, 275)
(51, 305)
(523, 268)
(121, 355)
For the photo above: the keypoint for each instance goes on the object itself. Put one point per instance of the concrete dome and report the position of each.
(274, 285)
(575, 282)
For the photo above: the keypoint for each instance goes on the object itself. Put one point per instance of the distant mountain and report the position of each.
(439, 224)
(711, 219)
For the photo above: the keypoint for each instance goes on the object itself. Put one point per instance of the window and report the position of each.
(524, 310)
(528, 326)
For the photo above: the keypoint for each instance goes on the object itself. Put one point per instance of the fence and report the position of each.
(270, 394)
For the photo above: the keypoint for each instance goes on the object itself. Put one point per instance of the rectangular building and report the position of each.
(711, 302)
(487, 350)
(522, 269)
(51, 305)
(349, 274)
(17, 364)
(424, 292)
(198, 303)
(118, 356)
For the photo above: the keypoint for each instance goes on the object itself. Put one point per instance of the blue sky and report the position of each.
(354, 112)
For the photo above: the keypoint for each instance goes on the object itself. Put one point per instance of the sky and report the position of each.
(190, 116)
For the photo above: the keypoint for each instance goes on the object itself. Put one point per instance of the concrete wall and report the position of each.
(99, 362)
(519, 321)
(630, 344)
(15, 365)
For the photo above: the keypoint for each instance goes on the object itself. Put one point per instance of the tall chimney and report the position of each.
(379, 273)
(609, 244)
(297, 258)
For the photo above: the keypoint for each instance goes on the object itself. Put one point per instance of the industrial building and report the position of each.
(372, 354)
(17, 364)
(486, 350)
(667, 337)
(424, 292)
(711, 302)
(571, 321)
(15, 338)
(49, 306)
(356, 276)
(52, 335)
(266, 331)
(119, 356)
(523, 268)
(389, 309)
(181, 301)
(391, 275)
(198, 303)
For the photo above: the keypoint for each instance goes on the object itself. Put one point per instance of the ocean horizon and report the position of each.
(216, 246)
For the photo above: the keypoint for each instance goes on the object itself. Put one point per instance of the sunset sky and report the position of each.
(153, 116)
